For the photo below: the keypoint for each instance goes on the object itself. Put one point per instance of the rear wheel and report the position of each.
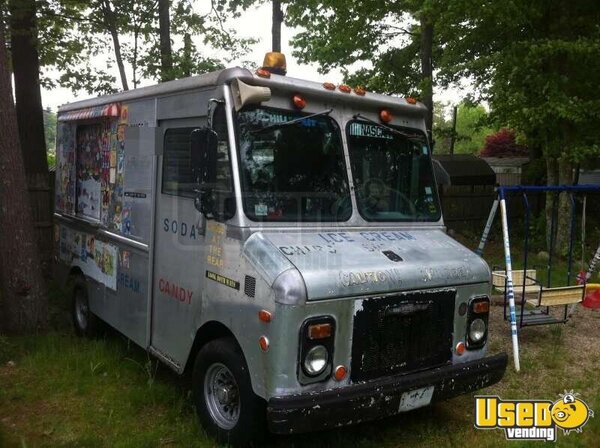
(225, 402)
(84, 321)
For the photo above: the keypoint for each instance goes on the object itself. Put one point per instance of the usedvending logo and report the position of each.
(532, 419)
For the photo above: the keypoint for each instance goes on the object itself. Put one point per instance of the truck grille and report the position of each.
(402, 333)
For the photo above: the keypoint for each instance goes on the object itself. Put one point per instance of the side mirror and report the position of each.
(203, 149)
(204, 155)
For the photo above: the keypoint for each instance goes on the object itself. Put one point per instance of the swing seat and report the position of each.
(562, 295)
(499, 281)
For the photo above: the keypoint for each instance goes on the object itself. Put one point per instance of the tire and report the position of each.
(85, 322)
(225, 403)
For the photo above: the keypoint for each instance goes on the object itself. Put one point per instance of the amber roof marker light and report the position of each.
(299, 101)
(275, 63)
(385, 115)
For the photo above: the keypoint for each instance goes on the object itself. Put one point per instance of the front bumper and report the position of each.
(379, 398)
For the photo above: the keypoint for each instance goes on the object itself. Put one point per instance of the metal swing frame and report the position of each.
(546, 295)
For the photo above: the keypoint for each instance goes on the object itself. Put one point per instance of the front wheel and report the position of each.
(223, 395)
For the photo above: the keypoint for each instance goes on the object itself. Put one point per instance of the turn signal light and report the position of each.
(345, 88)
(263, 73)
(329, 85)
(385, 116)
(264, 316)
(319, 331)
(460, 348)
(264, 343)
(340, 373)
(299, 102)
(481, 307)
(411, 100)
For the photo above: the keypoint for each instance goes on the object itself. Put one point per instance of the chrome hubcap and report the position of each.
(81, 310)
(222, 396)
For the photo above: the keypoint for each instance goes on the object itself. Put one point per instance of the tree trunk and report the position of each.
(186, 61)
(110, 22)
(563, 234)
(30, 119)
(166, 53)
(552, 179)
(23, 300)
(425, 54)
(276, 26)
(26, 68)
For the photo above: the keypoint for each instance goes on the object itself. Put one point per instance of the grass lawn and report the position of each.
(61, 391)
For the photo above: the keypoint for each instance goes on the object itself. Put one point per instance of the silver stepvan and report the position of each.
(281, 239)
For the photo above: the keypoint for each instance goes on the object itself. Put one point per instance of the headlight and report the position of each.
(477, 322)
(316, 360)
(315, 353)
(477, 330)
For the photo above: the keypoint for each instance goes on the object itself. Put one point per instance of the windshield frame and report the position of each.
(338, 128)
(431, 219)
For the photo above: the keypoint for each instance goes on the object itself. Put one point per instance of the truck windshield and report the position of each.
(392, 173)
(292, 170)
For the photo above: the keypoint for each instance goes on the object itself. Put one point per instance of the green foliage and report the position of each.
(188, 59)
(74, 33)
(472, 126)
(381, 39)
(50, 129)
(537, 64)
(442, 127)
(68, 45)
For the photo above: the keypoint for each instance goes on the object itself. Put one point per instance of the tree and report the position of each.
(110, 20)
(473, 124)
(70, 43)
(276, 19)
(503, 144)
(50, 123)
(26, 68)
(394, 42)
(23, 300)
(166, 52)
(472, 127)
(127, 33)
(536, 63)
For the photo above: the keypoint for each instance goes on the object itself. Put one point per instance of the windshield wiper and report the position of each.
(286, 123)
(395, 131)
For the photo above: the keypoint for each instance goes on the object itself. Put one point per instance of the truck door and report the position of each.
(180, 250)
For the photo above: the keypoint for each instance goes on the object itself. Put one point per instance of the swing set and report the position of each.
(537, 297)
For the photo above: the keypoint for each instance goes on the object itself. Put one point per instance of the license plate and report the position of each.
(415, 399)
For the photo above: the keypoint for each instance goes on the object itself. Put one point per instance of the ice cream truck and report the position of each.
(280, 239)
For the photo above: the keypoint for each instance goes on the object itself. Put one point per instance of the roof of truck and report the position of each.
(225, 76)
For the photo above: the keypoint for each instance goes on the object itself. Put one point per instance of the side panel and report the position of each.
(110, 246)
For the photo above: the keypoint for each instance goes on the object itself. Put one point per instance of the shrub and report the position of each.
(503, 144)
